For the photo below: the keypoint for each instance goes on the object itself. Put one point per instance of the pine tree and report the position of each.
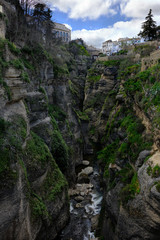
(149, 28)
(42, 12)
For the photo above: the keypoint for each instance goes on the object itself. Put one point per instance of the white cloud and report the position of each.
(119, 30)
(140, 8)
(88, 9)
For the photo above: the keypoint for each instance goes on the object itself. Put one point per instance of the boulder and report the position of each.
(87, 171)
(85, 162)
(79, 198)
(78, 205)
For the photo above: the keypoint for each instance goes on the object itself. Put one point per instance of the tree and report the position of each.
(158, 32)
(42, 13)
(149, 28)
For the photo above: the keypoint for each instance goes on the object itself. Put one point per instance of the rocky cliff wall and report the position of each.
(41, 95)
(124, 120)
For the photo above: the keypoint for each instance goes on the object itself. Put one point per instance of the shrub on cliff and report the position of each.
(60, 150)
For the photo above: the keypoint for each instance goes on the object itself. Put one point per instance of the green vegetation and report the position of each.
(54, 183)
(35, 158)
(109, 63)
(12, 47)
(73, 88)
(94, 78)
(12, 137)
(130, 190)
(135, 143)
(38, 207)
(122, 52)
(27, 64)
(126, 174)
(42, 90)
(25, 77)
(36, 151)
(108, 155)
(56, 112)
(78, 49)
(60, 150)
(144, 50)
(149, 28)
(81, 115)
(83, 50)
(154, 172)
(96, 100)
(7, 90)
(126, 71)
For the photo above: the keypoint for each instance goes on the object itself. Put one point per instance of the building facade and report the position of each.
(110, 47)
(62, 32)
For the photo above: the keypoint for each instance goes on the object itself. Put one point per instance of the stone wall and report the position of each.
(117, 57)
(151, 60)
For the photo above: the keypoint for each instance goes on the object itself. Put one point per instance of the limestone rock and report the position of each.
(85, 162)
(79, 198)
(141, 215)
(141, 158)
(87, 171)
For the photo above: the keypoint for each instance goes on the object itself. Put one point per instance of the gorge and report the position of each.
(62, 113)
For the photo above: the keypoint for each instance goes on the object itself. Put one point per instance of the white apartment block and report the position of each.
(109, 47)
(61, 31)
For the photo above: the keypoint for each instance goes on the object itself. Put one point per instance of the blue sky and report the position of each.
(79, 24)
(96, 21)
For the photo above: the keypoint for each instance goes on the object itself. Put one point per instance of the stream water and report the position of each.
(85, 208)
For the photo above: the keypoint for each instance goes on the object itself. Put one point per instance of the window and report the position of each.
(60, 34)
(63, 34)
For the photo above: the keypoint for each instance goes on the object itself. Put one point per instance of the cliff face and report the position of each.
(125, 121)
(40, 137)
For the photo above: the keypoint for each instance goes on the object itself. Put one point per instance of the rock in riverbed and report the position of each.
(87, 171)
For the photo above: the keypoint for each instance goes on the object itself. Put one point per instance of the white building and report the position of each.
(61, 31)
(128, 41)
(109, 47)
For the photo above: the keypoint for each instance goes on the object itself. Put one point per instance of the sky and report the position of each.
(96, 21)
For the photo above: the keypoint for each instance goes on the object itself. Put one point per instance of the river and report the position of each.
(85, 207)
